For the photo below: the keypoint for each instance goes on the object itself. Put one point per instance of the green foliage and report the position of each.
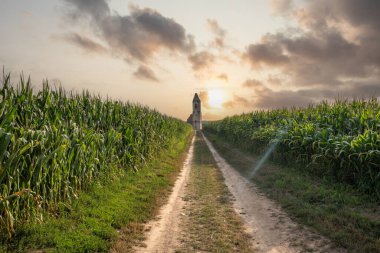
(339, 140)
(334, 209)
(54, 143)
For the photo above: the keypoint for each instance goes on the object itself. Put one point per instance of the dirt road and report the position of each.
(271, 229)
(164, 231)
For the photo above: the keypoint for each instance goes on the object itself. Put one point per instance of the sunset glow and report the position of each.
(243, 55)
(216, 98)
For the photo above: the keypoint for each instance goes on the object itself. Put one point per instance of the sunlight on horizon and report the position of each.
(241, 55)
(216, 98)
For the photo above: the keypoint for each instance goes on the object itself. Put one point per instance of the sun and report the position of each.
(215, 98)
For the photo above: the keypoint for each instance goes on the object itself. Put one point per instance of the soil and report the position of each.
(163, 232)
(210, 223)
(271, 228)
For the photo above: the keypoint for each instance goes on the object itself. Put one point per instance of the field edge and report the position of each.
(345, 216)
(110, 212)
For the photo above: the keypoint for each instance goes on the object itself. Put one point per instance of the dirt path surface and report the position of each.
(199, 216)
(163, 232)
(191, 221)
(210, 223)
(271, 228)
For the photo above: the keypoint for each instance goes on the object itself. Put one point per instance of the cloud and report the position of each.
(223, 76)
(203, 96)
(319, 13)
(237, 100)
(269, 99)
(138, 36)
(97, 9)
(281, 6)
(265, 98)
(211, 116)
(352, 90)
(219, 33)
(201, 60)
(162, 30)
(84, 43)
(274, 80)
(145, 73)
(333, 49)
(266, 53)
(252, 83)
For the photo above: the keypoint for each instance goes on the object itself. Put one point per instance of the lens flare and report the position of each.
(268, 152)
(263, 159)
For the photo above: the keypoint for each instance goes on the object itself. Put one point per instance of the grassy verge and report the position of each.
(211, 224)
(349, 218)
(110, 214)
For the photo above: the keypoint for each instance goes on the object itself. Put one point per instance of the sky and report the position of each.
(239, 55)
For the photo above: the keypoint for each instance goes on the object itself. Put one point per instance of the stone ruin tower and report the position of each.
(195, 119)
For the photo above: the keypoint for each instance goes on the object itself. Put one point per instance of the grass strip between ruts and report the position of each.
(211, 223)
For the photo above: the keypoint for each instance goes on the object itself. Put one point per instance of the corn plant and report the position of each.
(340, 140)
(54, 143)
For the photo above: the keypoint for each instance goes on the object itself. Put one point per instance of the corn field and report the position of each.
(54, 143)
(340, 140)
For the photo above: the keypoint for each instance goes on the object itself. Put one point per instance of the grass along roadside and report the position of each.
(110, 214)
(334, 210)
(210, 223)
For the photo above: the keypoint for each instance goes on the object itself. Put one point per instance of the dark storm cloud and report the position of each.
(145, 73)
(85, 43)
(137, 36)
(201, 60)
(334, 51)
